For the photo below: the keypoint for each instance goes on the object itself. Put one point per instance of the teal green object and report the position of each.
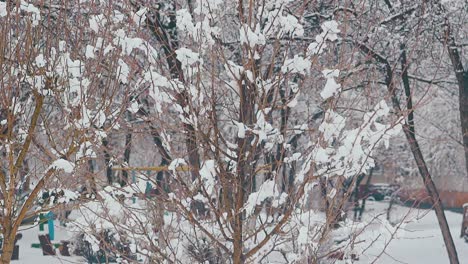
(41, 222)
(148, 184)
(148, 188)
(50, 222)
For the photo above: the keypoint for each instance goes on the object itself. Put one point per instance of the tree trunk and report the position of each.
(462, 80)
(9, 234)
(461, 73)
(434, 195)
(92, 180)
(25, 176)
(463, 106)
(167, 35)
(410, 134)
(366, 189)
(127, 152)
(238, 252)
(165, 160)
(107, 160)
(356, 196)
(323, 194)
(8, 246)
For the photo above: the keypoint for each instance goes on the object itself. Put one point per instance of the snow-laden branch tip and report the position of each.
(241, 129)
(250, 37)
(331, 86)
(298, 64)
(62, 164)
(329, 32)
(140, 16)
(208, 176)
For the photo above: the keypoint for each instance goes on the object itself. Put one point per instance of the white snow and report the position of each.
(32, 10)
(184, 21)
(330, 33)
(64, 165)
(100, 118)
(250, 37)
(140, 16)
(3, 10)
(419, 242)
(123, 71)
(331, 87)
(30, 255)
(208, 175)
(68, 196)
(97, 22)
(332, 126)
(134, 107)
(240, 129)
(187, 57)
(279, 25)
(294, 157)
(297, 64)
(268, 189)
(128, 44)
(89, 52)
(40, 62)
(117, 16)
(331, 29)
(207, 6)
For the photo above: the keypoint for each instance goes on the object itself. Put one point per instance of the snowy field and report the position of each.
(30, 255)
(417, 241)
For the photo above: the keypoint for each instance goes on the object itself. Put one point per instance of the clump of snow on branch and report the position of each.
(329, 32)
(250, 37)
(297, 64)
(62, 164)
(331, 87)
(352, 156)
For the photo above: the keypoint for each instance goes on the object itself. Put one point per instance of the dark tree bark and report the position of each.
(245, 167)
(161, 182)
(366, 189)
(289, 185)
(356, 196)
(433, 194)
(107, 160)
(92, 180)
(167, 36)
(462, 80)
(24, 176)
(127, 152)
(409, 131)
(280, 149)
(323, 193)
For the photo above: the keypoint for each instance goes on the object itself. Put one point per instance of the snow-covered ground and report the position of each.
(30, 255)
(417, 241)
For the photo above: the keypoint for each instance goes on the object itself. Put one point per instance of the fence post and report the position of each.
(50, 217)
(148, 184)
(41, 222)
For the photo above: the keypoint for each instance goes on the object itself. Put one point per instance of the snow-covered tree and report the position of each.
(249, 108)
(243, 103)
(60, 95)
